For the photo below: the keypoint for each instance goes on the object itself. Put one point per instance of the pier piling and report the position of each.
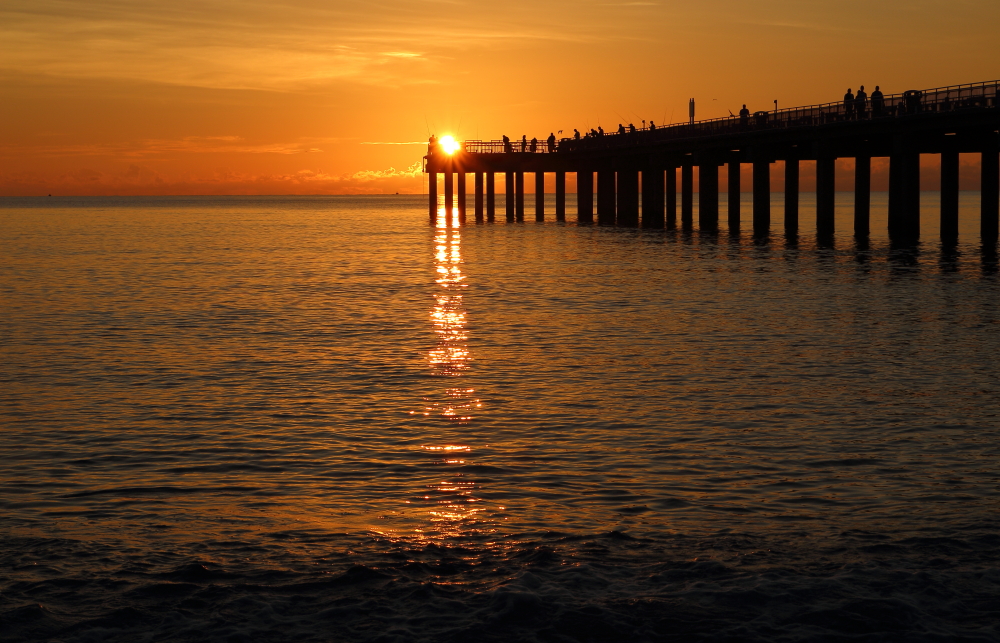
(791, 196)
(432, 196)
(628, 198)
(949, 195)
(461, 196)
(560, 196)
(862, 196)
(826, 186)
(671, 214)
(510, 199)
(539, 196)
(491, 197)
(990, 196)
(449, 196)
(708, 196)
(652, 198)
(479, 197)
(761, 198)
(687, 195)
(585, 197)
(519, 196)
(733, 186)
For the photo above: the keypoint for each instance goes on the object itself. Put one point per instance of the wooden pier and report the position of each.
(947, 120)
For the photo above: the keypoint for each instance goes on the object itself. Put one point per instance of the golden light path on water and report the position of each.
(453, 509)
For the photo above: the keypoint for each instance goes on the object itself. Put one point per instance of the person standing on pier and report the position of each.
(652, 126)
(524, 142)
(600, 131)
(552, 142)
(576, 134)
(506, 145)
(432, 144)
(848, 105)
(744, 117)
(878, 102)
(861, 103)
(534, 145)
(631, 128)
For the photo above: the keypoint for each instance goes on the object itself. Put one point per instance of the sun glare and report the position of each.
(449, 144)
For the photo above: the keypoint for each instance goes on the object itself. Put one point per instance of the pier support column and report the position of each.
(825, 195)
(904, 196)
(510, 196)
(432, 196)
(733, 184)
(708, 196)
(652, 199)
(449, 197)
(519, 196)
(671, 214)
(862, 196)
(949, 195)
(461, 197)
(539, 196)
(791, 196)
(628, 198)
(989, 225)
(606, 197)
(761, 198)
(687, 196)
(560, 196)
(491, 197)
(479, 197)
(585, 197)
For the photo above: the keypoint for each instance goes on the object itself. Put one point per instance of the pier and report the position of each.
(947, 121)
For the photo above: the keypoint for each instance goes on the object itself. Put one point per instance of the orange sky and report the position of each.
(322, 97)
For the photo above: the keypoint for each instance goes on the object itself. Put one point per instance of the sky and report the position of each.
(331, 97)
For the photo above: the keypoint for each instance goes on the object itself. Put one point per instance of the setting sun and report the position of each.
(449, 144)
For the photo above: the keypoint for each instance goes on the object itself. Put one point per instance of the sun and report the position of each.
(449, 144)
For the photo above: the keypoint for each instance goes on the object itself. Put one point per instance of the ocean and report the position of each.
(324, 419)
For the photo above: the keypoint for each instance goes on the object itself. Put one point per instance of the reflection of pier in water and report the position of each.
(945, 121)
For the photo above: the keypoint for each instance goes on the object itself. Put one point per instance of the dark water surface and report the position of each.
(321, 419)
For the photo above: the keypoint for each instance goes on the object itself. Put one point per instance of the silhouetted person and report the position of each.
(524, 142)
(534, 144)
(631, 128)
(600, 131)
(652, 125)
(848, 105)
(621, 128)
(552, 142)
(506, 145)
(744, 117)
(861, 103)
(576, 134)
(878, 102)
(432, 144)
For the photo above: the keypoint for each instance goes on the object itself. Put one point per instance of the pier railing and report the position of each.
(984, 95)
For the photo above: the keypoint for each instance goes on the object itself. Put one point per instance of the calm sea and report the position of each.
(323, 419)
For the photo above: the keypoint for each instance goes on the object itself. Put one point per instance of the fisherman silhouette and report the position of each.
(600, 131)
(848, 105)
(432, 144)
(631, 128)
(744, 116)
(534, 144)
(878, 102)
(652, 125)
(524, 142)
(552, 142)
(621, 128)
(506, 145)
(861, 103)
(576, 134)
